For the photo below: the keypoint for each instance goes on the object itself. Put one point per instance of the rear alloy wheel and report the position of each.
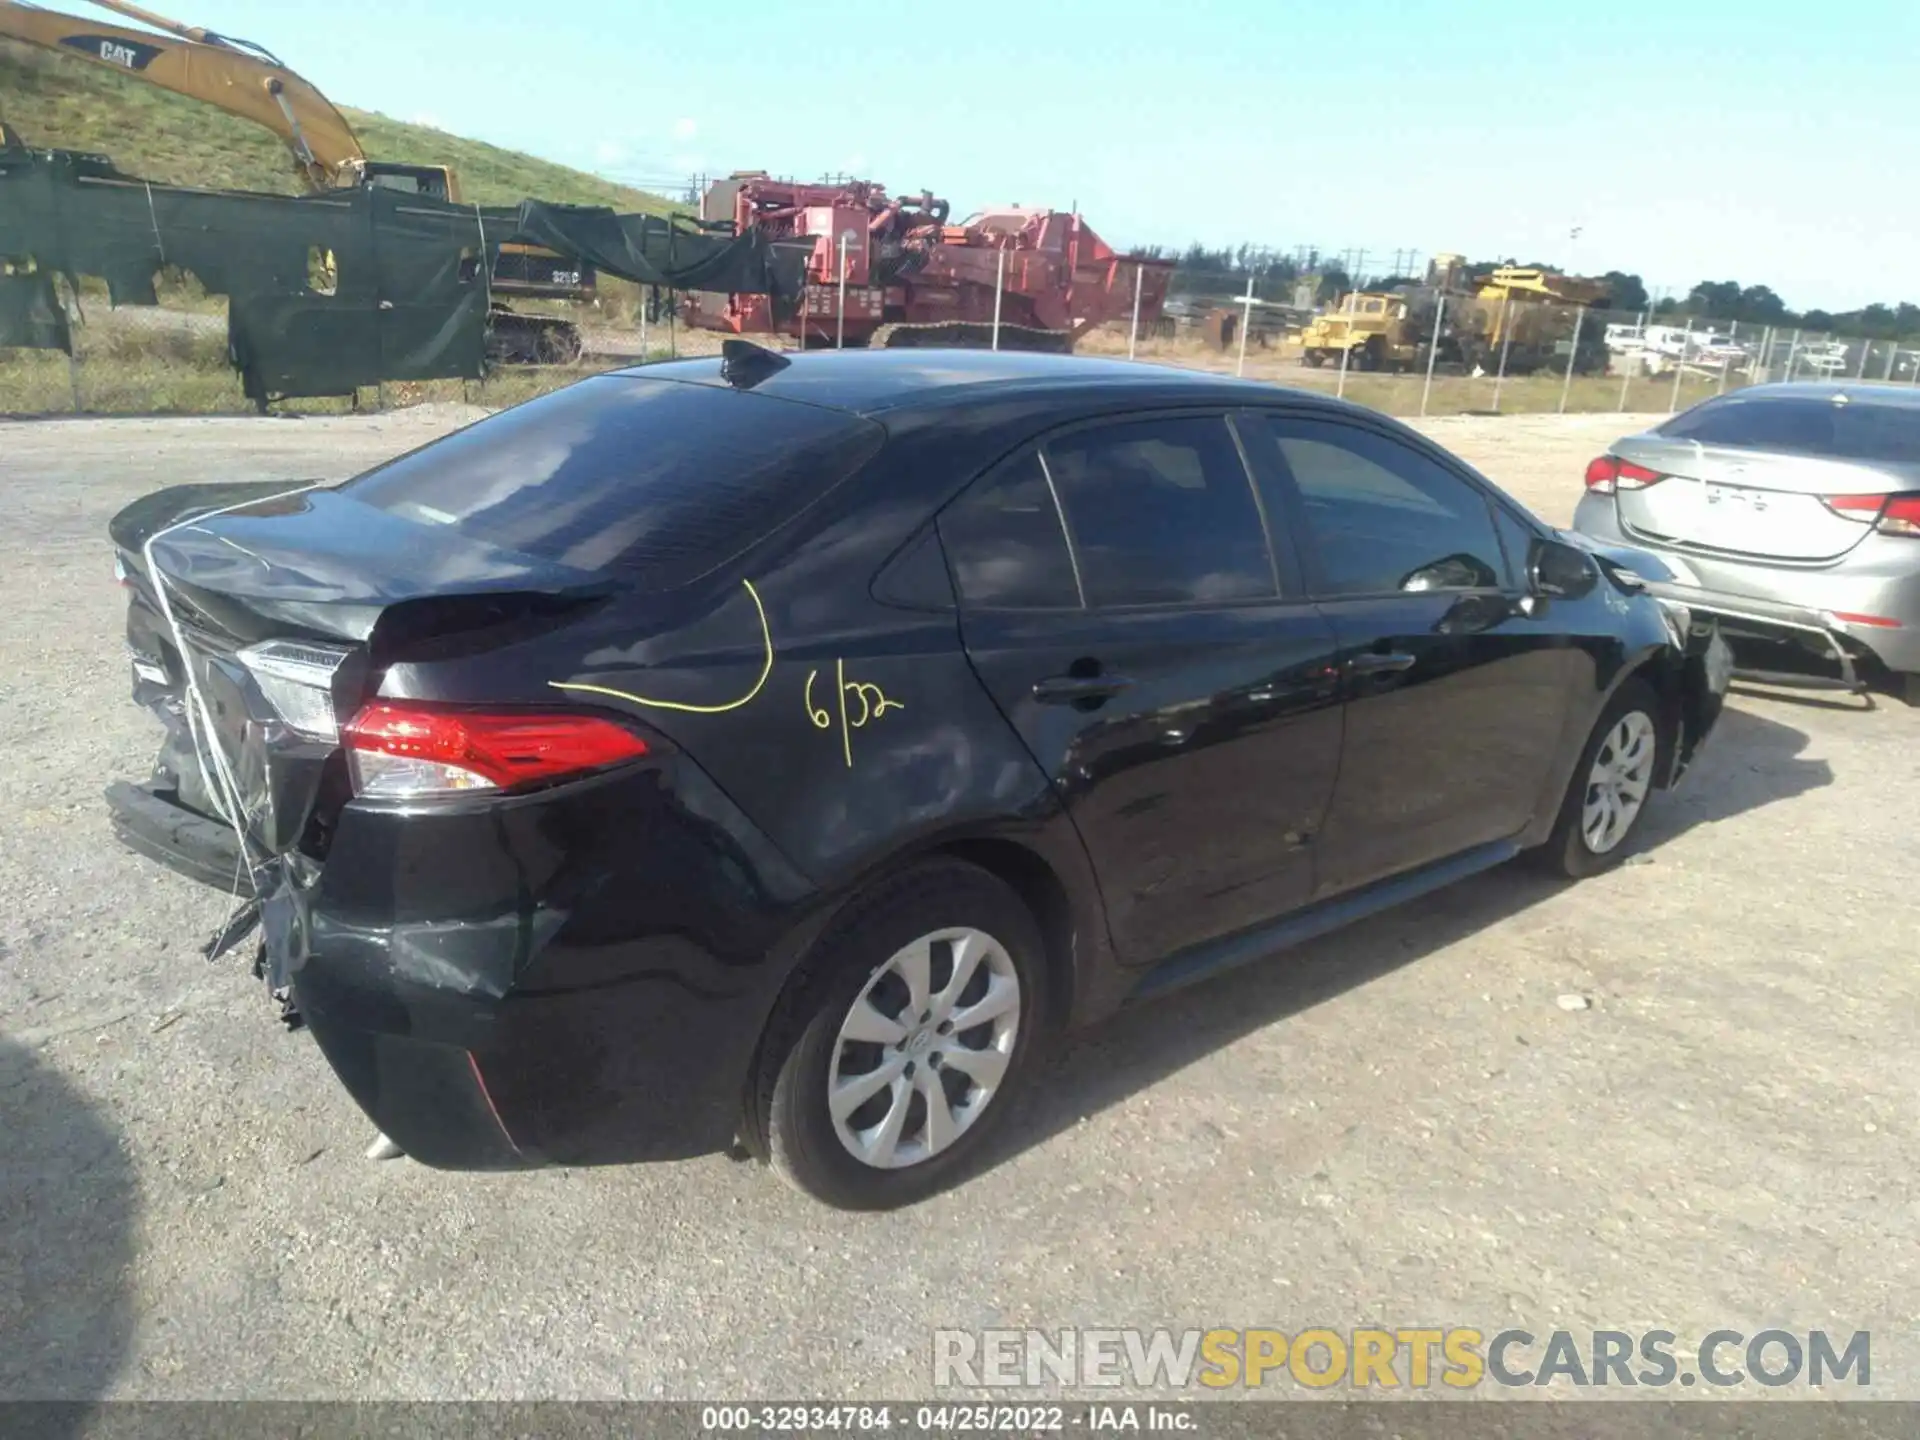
(884, 1074)
(924, 1047)
(1610, 787)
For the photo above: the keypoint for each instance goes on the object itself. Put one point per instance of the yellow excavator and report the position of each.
(249, 81)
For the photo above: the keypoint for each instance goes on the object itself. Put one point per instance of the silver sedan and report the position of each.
(1792, 512)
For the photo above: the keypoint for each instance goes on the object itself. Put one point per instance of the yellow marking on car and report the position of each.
(766, 669)
(874, 702)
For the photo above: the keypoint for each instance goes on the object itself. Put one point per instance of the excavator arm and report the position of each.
(232, 75)
(249, 81)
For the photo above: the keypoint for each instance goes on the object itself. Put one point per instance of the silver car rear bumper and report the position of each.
(1794, 603)
(1763, 620)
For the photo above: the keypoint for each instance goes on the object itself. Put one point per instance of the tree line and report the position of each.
(1226, 269)
(1734, 303)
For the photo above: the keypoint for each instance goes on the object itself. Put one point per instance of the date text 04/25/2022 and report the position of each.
(982, 1418)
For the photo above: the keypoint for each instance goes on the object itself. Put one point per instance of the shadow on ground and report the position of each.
(1812, 698)
(68, 1200)
(1750, 762)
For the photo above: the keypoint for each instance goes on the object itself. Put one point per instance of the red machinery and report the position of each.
(902, 265)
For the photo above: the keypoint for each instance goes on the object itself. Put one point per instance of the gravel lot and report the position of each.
(1397, 1125)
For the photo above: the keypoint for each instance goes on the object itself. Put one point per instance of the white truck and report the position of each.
(1658, 348)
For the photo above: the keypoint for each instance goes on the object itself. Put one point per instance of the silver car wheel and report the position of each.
(1617, 784)
(921, 1052)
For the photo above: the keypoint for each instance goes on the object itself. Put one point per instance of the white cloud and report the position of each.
(684, 130)
(855, 164)
(610, 152)
(428, 119)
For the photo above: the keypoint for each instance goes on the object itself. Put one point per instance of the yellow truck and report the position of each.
(1371, 328)
(1531, 318)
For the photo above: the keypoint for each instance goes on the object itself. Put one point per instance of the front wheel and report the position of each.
(1610, 787)
(887, 1071)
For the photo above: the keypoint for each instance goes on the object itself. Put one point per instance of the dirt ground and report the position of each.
(1397, 1125)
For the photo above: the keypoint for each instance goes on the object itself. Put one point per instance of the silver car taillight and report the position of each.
(296, 678)
(1889, 514)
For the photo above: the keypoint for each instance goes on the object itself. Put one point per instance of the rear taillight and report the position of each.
(1610, 473)
(297, 680)
(402, 750)
(1889, 514)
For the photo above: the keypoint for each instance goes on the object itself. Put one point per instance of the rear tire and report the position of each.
(1910, 690)
(869, 1095)
(1611, 786)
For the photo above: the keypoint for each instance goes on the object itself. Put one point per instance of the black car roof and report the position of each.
(868, 382)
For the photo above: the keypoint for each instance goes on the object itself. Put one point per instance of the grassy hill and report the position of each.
(68, 104)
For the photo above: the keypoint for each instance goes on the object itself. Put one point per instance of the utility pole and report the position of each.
(1506, 343)
(840, 315)
(1433, 350)
(1680, 366)
(1246, 323)
(999, 284)
(1133, 331)
(1346, 350)
(1573, 352)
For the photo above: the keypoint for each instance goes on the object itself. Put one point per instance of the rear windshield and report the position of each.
(658, 480)
(1804, 425)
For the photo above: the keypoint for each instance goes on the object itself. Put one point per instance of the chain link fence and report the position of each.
(1409, 354)
(173, 358)
(1424, 355)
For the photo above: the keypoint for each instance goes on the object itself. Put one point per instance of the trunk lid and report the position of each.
(279, 608)
(320, 563)
(1747, 502)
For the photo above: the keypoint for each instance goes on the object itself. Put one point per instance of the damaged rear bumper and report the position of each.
(160, 828)
(576, 976)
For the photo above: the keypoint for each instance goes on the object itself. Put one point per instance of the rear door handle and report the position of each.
(1375, 663)
(1066, 689)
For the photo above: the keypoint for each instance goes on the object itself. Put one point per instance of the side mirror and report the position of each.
(1559, 570)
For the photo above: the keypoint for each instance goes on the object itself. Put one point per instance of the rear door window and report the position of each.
(653, 479)
(1161, 513)
(1804, 425)
(1005, 544)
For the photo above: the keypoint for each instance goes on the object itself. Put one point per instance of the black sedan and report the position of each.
(778, 749)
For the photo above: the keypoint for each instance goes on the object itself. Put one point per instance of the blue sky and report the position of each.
(1691, 139)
